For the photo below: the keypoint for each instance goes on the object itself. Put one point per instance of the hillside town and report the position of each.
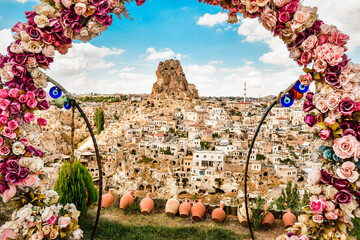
(175, 143)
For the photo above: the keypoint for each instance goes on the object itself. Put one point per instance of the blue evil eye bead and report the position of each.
(327, 154)
(322, 149)
(55, 92)
(67, 105)
(301, 88)
(287, 100)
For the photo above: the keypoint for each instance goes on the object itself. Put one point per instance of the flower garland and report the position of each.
(334, 108)
(52, 26)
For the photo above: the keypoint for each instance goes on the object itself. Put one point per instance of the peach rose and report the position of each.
(46, 230)
(345, 78)
(332, 100)
(320, 66)
(350, 87)
(295, 53)
(321, 105)
(37, 236)
(329, 121)
(63, 222)
(309, 43)
(9, 193)
(262, 3)
(54, 233)
(66, 3)
(301, 17)
(80, 8)
(252, 7)
(281, 3)
(268, 19)
(347, 171)
(345, 146)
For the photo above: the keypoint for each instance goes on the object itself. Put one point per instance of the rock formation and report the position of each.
(171, 83)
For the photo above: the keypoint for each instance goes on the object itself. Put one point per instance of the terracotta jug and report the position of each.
(172, 207)
(184, 209)
(268, 219)
(219, 215)
(146, 205)
(241, 214)
(107, 199)
(289, 219)
(128, 198)
(198, 210)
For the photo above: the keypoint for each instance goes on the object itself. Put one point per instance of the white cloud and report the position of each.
(5, 40)
(162, 54)
(211, 20)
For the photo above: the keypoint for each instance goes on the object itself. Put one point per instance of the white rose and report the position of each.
(6, 76)
(10, 225)
(16, 48)
(93, 27)
(349, 208)
(18, 148)
(316, 190)
(24, 213)
(314, 176)
(78, 234)
(24, 36)
(331, 191)
(37, 165)
(40, 82)
(46, 215)
(41, 21)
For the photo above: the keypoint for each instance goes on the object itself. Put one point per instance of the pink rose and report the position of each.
(317, 206)
(31, 62)
(52, 220)
(339, 38)
(18, 27)
(345, 146)
(320, 66)
(347, 171)
(9, 193)
(3, 120)
(30, 95)
(309, 43)
(25, 141)
(13, 125)
(64, 222)
(345, 218)
(303, 237)
(9, 234)
(1, 141)
(80, 8)
(32, 181)
(281, 3)
(329, 121)
(324, 134)
(322, 38)
(29, 117)
(306, 58)
(4, 104)
(321, 105)
(334, 59)
(7, 132)
(14, 93)
(31, 103)
(318, 219)
(41, 122)
(301, 16)
(4, 93)
(23, 98)
(66, 3)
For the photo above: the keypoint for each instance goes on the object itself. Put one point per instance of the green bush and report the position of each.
(76, 187)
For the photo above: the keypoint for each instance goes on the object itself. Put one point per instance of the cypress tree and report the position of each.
(99, 119)
(77, 187)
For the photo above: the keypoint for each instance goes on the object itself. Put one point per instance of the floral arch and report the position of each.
(317, 47)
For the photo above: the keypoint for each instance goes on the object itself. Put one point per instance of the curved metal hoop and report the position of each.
(75, 104)
(281, 94)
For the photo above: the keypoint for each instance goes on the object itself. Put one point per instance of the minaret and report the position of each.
(245, 91)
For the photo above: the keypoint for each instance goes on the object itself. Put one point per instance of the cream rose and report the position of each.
(63, 222)
(314, 176)
(331, 191)
(295, 53)
(77, 234)
(33, 46)
(42, 9)
(49, 51)
(309, 43)
(40, 82)
(25, 161)
(46, 215)
(262, 3)
(54, 233)
(321, 105)
(80, 8)
(18, 148)
(41, 21)
(252, 7)
(24, 36)
(332, 100)
(316, 190)
(301, 17)
(6, 76)
(46, 229)
(16, 48)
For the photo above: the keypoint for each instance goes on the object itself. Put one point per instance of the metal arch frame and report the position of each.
(74, 104)
(281, 94)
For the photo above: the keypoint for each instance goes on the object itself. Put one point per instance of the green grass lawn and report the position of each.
(115, 230)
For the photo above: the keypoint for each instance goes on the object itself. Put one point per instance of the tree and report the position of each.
(215, 135)
(99, 120)
(205, 145)
(77, 188)
(290, 198)
(260, 157)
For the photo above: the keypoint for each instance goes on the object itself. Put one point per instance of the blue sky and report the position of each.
(216, 56)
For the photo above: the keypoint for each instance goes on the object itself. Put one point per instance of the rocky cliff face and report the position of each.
(171, 82)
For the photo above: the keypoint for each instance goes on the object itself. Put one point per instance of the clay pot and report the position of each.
(289, 219)
(172, 207)
(268, 219)
(184, 209)
(241, 214)
(107, 199)
(146, 205)
(218, 215)
(198, 210)
(128, 198)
